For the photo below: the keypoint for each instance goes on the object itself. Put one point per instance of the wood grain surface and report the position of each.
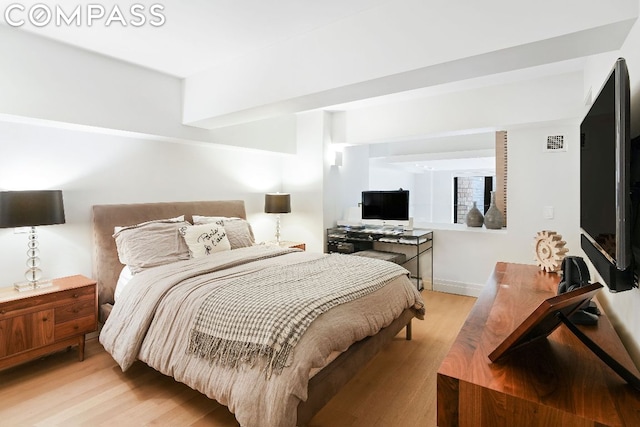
(556, 381)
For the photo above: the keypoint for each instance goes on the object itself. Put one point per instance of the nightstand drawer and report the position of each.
(50, 296)
(75, 327)
(75, 294)
(84, 307)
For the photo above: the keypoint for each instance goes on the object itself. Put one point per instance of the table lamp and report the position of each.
(277, 203)
(30, 209)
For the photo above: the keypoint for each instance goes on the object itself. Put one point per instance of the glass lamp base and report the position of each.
(33, 273)
(30, 286)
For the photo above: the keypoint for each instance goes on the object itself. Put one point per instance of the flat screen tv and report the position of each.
(608, 183)
(386, 205)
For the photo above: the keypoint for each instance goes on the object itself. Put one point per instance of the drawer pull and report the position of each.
(44, 319)
(76, 295)
(2, 312)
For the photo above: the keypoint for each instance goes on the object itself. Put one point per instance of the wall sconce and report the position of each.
(337, 159)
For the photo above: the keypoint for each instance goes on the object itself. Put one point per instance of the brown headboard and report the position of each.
(106, 266)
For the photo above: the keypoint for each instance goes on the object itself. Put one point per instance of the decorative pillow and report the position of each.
(238, 230)
(205, 239)
(151, 244)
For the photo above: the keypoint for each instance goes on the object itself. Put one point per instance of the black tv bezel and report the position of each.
(382, 216)
(618, 272)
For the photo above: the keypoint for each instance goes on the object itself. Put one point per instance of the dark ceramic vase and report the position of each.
(474, 217)
(493, 219)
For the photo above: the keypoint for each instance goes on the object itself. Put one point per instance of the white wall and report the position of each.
(423, 201)
(347, 182)
(93, 168)
(50, 81)
(464, 257)
(443, 193)
(303, 176)
(383, 177)
(537, 179)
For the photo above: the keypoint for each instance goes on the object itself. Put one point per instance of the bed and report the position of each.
(325, 358)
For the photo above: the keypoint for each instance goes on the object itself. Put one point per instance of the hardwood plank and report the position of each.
(397, 388)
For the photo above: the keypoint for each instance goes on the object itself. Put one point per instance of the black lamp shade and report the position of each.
(31, 208)
(277, 203)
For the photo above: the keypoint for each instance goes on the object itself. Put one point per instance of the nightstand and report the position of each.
(298, 245)
(41, 321)
(286, 244)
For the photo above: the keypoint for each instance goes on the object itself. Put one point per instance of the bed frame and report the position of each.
(106, 268)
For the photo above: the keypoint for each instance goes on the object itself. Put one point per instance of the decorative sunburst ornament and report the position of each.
(549, 250)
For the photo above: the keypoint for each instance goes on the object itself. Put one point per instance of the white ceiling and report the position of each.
(203, 34)
(197, 34)
(458, 53)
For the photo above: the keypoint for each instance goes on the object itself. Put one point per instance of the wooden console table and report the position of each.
(557, 381)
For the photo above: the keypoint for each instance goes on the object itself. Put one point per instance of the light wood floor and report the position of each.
(397, 388)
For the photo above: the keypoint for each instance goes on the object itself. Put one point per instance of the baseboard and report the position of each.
(459, 288)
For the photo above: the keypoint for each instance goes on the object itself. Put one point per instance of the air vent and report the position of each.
(555, 143)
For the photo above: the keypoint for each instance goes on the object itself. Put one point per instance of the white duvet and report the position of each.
(153, 316)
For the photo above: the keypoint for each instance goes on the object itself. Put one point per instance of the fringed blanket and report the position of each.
(265, 313)
(153, 318)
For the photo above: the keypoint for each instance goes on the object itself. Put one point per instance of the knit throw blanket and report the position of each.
(264, 313)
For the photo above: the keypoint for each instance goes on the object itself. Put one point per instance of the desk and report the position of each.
(413, 244)
(552, 382)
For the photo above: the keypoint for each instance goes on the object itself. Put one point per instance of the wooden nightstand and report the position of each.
(286, 244)
(298, 245)
(35, 323)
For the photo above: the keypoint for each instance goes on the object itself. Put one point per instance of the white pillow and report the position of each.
(200, 219)
(205, 239)
(176, 219)
(123, 280)
(238, 230)
(151, 244)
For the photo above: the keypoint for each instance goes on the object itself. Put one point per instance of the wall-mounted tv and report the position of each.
(608, 183)
(386, 205)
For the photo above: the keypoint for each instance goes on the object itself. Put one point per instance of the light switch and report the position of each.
(547, 212)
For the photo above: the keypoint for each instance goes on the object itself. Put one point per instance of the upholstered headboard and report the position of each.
(106, 266)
